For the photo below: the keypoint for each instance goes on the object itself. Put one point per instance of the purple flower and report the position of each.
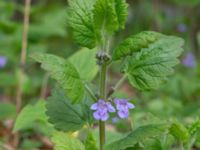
(123, 107)
(182, 28)
(102, 108)
(3, 61)
(189, 60)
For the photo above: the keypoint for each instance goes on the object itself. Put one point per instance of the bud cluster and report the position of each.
(102, 58)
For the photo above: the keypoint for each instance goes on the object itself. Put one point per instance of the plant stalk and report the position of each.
(22, 63)
(90, 93)
(44, 87)
(23, 54)
(103, 71)
(118, 84)
(181, 146)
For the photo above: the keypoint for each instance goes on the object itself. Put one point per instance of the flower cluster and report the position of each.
(102, 109)
(123, 107)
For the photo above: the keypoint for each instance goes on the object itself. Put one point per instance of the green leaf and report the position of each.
(64, 72)
(121, 8)
(105, 16)
(85, 62)
(179, 131)
(80, 19)
(31, 115)
(7, 110)
(62, 141)
(151, 66)
(138, 135)
(63, 114)
(110, 15)
(90, 143)
(45, 28)
(135, 43)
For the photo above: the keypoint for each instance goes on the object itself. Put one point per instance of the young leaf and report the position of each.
(80, 19)
(179, 131)
(110, 15)
(152, 65)
(62, 141)
(121, 8)
(64, 72)
(135, 43)
(85, 63)
(90, 143)
(63, 114)
(138, 135)
(30, 115)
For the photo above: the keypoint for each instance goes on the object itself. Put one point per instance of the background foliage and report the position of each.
(174, 108)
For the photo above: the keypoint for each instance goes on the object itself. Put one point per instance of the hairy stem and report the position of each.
(23, 54)
(90, 93)
(22, 62)
(118, 84)
(103, 71)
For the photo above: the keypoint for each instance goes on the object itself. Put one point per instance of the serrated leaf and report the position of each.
(110, 15)
(179, 131)
(151, 66)
(121, 8)
(138, 135)
(90, 143)
(63, 72)
(85, 62)
(105, 16)
(135, 43)
(30, 115)
(80, 19)
(62, 141)
(63, 114)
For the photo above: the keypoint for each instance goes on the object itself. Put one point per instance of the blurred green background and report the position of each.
(178, 99)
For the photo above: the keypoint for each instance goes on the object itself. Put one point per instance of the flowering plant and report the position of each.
(145, 59)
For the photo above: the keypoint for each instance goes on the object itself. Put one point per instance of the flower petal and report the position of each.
(123, 114)
(94, 106)
(104, 117)
(110, 107)
(97, 115)
(116, 100)
(131, 106)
